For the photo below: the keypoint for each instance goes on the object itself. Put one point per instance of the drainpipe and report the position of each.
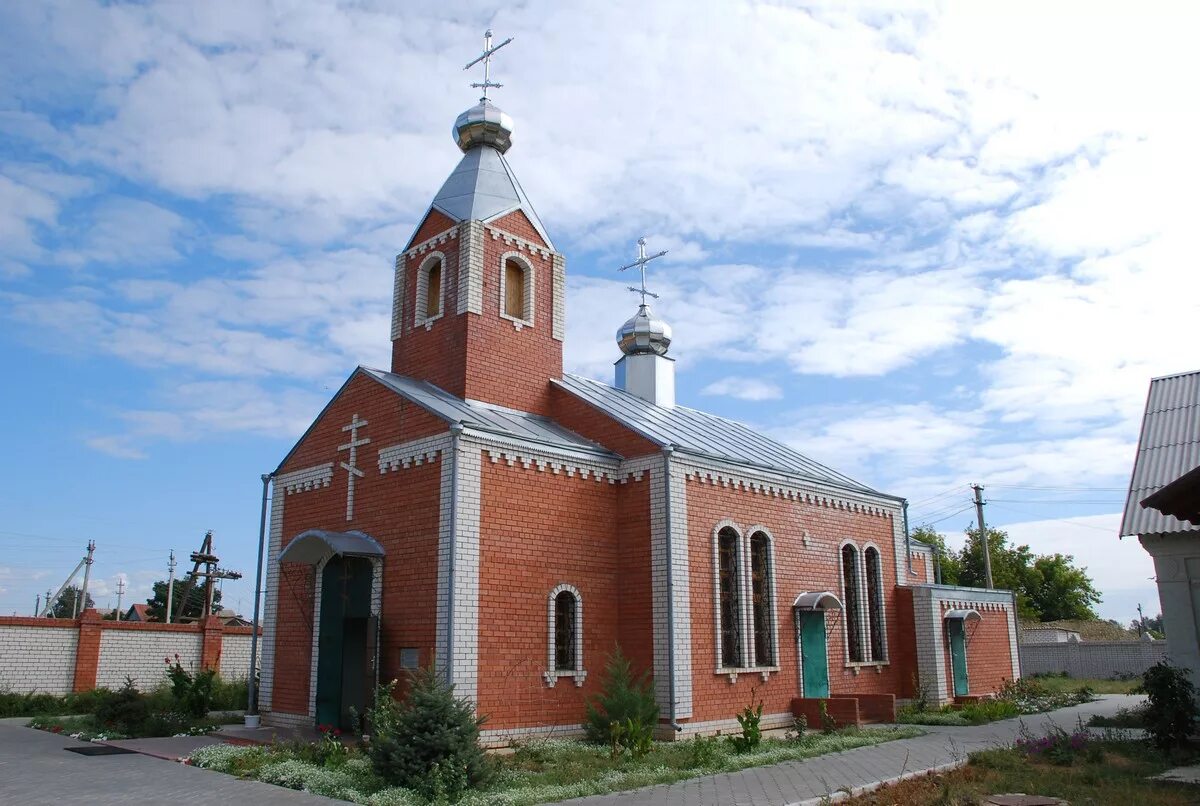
(907, 539)
(251, 688)
(667, 451)
(456, 430)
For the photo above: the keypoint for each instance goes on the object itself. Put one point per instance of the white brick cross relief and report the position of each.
(351, 467)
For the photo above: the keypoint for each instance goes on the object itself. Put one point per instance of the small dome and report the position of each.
(644, 334)
(483, 124)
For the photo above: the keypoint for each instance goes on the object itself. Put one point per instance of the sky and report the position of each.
(929, 245)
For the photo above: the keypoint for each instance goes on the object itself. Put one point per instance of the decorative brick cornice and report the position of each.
(309, 478)
(519, 243)
(436, 240)
(408, 454)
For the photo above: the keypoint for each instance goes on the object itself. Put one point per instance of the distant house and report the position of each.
(137, 612)
(1048, 635)
(1163, 507)
(231, 619)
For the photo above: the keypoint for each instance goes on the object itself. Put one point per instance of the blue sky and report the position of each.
(928, 245)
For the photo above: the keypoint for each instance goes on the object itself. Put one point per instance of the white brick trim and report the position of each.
(515, 240)
(465, 581)
(529, 279)
(432, 241)
(552, 673)
(398, 297)
(720, 666)
(309, 478)
(415, 452)
(421, 317)
(470, 268)
(883, 635)
(559, 290)
(773, 617)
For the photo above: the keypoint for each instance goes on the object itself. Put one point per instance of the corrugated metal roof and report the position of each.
(698, 432)
(1168, 448)
(483, 188)
(485, 416)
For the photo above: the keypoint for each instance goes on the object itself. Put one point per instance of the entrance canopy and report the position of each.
(314, 545)
(965, 615)
(817, 600)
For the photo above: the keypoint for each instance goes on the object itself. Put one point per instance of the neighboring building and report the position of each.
(1048, 635)
(1163, 508)
(477, 509)
(137, 612)
(231, 618)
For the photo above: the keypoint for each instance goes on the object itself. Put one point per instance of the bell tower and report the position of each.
(478, 298)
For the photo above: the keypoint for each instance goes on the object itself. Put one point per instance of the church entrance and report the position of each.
(346, 642)
(814, 653)
(958, 656)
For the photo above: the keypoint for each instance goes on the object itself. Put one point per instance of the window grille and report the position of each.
(875, 602)
(731, 606)
(565, 625)
(853, 606)
(764, 607)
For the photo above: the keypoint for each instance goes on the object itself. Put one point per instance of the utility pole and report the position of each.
(81, 600)
(37, 607)
(120, 593)
(170, 583)
(983, 535)
(48, 612)
(1141, 621)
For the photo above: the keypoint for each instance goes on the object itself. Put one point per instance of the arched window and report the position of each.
(516, 290)
(431, 290)
(761, 589)
(875, 603)
(565, 639)
(564, 631)
(853, 605)
(730, 587)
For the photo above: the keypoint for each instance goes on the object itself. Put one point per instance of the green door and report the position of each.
(345, 640)
(813, 657)
(958, 656)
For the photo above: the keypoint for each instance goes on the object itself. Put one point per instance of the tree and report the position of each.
(944, 558)
(1152, 625)
(64, 605)
(1061, 590)
(194, 608)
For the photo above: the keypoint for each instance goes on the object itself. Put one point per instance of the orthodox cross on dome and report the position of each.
(351, 467)
(486, 58)
(641, 262)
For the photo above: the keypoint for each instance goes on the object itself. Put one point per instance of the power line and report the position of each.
(947, 517)
(1062, 489)
(1053, 501)
(950, 491)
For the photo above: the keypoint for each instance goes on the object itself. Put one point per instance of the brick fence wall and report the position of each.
(58, 656)
(1092, 659)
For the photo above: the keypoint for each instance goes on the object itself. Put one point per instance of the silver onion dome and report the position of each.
(644, 334)
(483, 124)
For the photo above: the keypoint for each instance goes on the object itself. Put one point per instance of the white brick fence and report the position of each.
(1092, 659)
(58, 656)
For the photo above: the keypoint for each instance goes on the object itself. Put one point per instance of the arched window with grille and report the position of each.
(729, 588)
(762, 589)
(852, 617)
(874, 568)
(565, 639)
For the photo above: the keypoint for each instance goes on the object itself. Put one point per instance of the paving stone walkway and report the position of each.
(833, 776)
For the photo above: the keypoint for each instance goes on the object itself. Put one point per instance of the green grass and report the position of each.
(1062, 683)
(228, 695)
(537, 772)
(1105, 772)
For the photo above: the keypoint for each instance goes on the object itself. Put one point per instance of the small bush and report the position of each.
(978, 713)
(629, 736)
(125, 712)
(1170, 712)
(1058, 746)
(703, 752)
(193, 693)
(750, 719)
(429, 742)
(622, 698)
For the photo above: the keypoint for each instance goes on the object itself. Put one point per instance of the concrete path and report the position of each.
(35, 770)
(830, 777)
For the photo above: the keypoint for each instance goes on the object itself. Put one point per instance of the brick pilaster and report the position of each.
(210, 653)
(87, 651)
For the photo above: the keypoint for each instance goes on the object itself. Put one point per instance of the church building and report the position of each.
(477, 509)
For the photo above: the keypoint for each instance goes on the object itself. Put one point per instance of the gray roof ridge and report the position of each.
(1175, 375)
(834, 478)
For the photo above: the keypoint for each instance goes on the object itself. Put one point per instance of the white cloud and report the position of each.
(744, 388)
(115, 446)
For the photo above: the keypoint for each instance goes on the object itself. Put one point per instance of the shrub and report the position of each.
(750, 718)
(977, 713)
(1171, 712)
(703, 752)
(828, 723)
(125, 712)
(193, 694)
(429, 742)
(1057, 746)
(622, 699)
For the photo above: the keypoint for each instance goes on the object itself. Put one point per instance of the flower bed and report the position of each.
(1024, 696)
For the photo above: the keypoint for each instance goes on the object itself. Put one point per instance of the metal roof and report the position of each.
(483, 188)
(1168, 448)
(698, 432)
(485, 416)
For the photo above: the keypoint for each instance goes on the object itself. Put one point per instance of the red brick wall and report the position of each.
(400, 509)
(904, 648)
(563, 531)
(797, 569)
(636, 605)
(587, 421)
(518, 224)
(989, 660)
(435, 223)
(437, 353)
